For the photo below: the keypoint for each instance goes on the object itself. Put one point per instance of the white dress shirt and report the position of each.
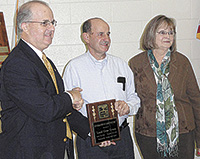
(98, 79)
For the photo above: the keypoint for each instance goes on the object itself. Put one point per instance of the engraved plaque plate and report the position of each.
(4, 45)
(103, 119)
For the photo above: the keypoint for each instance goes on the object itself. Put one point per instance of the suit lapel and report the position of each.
(32, 56)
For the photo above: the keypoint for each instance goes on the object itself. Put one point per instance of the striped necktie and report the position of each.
(51, 72)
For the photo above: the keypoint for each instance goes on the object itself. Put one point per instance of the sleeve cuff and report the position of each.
(70, 97)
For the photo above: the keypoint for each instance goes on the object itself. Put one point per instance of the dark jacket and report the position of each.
(186, 92)
(32, 111)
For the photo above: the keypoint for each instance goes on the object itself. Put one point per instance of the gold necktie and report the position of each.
(51, 72)
(50, 69)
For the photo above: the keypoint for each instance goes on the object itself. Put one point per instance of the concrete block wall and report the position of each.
(127, 19)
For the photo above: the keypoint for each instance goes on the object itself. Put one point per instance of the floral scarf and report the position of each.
(166, 114)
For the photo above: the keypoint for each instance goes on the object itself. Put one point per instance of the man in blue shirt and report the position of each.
(102, 77)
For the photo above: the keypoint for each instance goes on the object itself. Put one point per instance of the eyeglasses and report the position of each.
(170, 33)
(45, 23)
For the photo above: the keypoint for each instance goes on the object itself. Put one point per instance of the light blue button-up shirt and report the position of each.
(98, 79)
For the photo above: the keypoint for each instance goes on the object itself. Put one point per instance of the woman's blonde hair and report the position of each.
(148, 38)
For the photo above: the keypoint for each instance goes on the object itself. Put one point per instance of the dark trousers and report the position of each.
(123, 149)
(149, 151)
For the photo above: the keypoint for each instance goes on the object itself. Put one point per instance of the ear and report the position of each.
(86, 37)
(24, 27)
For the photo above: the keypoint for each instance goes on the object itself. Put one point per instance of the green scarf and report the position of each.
(166, 114)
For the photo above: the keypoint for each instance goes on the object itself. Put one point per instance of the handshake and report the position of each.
(120, 106)
(77, 98)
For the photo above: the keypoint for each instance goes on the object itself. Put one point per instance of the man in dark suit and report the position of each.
(33, 104)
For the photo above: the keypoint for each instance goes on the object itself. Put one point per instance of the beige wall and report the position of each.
(127, 19)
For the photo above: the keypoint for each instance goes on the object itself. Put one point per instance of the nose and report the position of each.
(51, 27)
(106, 37)
(167, 35)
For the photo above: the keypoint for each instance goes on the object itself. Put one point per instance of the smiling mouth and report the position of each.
(105, 43)
(166, 41)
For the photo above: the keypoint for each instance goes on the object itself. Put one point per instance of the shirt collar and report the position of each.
(38, 52)
(95, 61)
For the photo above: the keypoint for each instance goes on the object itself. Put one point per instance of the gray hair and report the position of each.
(25, 13)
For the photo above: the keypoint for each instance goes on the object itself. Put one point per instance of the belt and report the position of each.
(124, 124)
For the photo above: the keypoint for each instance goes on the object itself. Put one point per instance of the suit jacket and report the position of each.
(186, 93)
(32, 111)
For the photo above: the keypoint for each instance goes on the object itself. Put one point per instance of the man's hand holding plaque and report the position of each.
(122, 108)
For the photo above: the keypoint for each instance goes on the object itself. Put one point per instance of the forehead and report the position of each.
(165, 25)
(99, 25)
(41, 12)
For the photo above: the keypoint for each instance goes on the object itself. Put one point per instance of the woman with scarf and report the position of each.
(168, 121)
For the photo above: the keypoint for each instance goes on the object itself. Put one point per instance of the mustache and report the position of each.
(105, 43)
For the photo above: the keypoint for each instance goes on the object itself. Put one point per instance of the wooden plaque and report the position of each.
(4, 45)
(4, 49)
(103, 119)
